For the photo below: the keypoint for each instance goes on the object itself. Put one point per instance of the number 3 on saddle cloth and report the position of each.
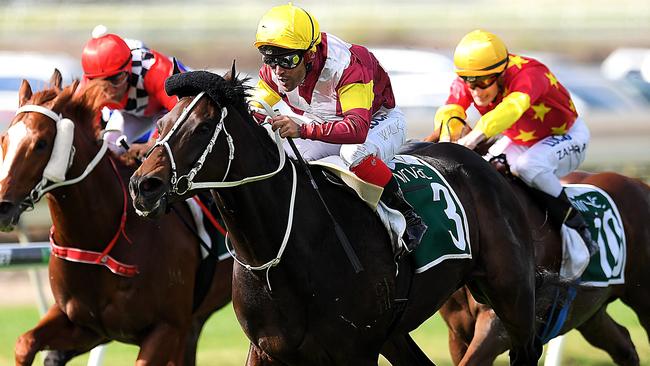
(431, 196)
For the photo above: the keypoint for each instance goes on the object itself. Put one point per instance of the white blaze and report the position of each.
(16, 134)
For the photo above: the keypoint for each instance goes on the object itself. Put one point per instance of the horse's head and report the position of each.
(27, 146)
(187, 134)
(37, 147)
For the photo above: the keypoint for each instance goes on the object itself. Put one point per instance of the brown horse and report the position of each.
(295, 294)
(125, 278)
(475, 333)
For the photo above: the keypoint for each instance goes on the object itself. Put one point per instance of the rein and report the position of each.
(74, 254)
(190, 184)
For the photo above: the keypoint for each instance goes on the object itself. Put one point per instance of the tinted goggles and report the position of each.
(480, 82)
(287, 61)
(118, 79)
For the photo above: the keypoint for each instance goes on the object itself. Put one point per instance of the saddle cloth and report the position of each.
(431, 196)
(607, 267)
(393, 220)
(207, 231)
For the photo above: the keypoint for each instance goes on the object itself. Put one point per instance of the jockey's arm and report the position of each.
(504, 115)
(354, 102)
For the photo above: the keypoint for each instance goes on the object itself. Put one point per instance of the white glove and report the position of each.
(472, 139)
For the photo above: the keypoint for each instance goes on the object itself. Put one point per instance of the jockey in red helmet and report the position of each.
(137, 75)
(341, 99)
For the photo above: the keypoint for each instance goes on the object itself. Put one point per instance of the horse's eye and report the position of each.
(204, 129)
(40, 145)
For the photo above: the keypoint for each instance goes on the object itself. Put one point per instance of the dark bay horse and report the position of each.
(295, 294)
(139, 288)
(475, 333)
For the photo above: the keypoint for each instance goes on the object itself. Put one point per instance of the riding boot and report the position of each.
(562, 211)
(415, 227)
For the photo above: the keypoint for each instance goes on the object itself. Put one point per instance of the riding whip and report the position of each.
(343, 239)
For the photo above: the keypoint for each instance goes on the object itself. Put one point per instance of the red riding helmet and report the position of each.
(105, 55)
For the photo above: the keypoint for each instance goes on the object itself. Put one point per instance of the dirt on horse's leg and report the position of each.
(163, 346)
(489, 339)
(603, 332)
(54, 331)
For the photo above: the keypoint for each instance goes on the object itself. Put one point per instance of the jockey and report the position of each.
(543, 136)
(137, 75)
(341, 102)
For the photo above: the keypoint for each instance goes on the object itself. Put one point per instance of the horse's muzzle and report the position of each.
(9, 215)
(147, 193)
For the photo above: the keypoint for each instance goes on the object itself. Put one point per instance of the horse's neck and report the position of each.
(257, 215)
(88, 211)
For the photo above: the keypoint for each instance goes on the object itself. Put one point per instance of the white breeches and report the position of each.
(386, 135)
(541, 165)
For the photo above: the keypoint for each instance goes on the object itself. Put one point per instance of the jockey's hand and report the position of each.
(472, 139)
(287, 126)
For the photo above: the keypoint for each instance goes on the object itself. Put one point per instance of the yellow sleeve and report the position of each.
(263, 91)
(356, 95)
(442, 121)
(511, 108)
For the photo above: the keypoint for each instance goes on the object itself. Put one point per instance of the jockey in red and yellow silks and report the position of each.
(520, 98)
(341, 100)
(137, 75)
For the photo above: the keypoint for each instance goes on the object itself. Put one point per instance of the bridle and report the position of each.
(185, 183)
(188, 179)
(43, 186)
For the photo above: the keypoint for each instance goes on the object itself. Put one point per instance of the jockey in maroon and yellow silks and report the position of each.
(341, 102)
(533, 104)
(361, 89)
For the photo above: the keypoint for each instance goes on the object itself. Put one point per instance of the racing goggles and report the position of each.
(286, 61)
(117, 79)
(481, 82)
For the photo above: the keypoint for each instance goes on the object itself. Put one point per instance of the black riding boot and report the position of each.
(562, 211)
(415, 227)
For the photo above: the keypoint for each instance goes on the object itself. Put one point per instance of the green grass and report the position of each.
(223, 343)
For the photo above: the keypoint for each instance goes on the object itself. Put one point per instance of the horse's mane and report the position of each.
(230, 90)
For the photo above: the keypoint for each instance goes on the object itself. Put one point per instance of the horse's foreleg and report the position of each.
(163, 346)
(603, 332)
(490, 339)
(55, 332)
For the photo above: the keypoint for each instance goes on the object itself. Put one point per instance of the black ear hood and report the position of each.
(193, 82)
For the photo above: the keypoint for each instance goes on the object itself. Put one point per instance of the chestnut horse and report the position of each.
(295, 294)
(138, 280)
(475, 333)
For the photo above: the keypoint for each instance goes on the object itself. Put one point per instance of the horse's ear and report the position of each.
(232, 74)
(24, 93)
(64, 97)
(177, 70)
(56, 80)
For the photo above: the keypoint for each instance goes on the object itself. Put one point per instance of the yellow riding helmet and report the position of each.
(288, 26)
(480, 53)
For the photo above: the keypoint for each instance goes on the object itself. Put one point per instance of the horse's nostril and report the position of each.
(6, 207)
(150, 185)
